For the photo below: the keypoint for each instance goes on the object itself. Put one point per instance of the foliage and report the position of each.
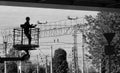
(60, 64)
(30, 68)
(1, 68)
(41, 69)
(70, 69)
(91, 70)
(11, 67)
(104, 22)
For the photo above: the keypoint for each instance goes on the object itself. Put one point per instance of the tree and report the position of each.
(31, 68)
(102, 23)
(41, 69)
(91, 70)
(11, 67)
(60, 64)
(1, 68)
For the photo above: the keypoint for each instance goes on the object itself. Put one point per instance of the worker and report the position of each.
(27, 29)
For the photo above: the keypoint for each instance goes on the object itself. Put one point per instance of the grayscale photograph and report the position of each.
(45, 36)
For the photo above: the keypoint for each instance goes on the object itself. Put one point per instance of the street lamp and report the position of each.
(109, 49)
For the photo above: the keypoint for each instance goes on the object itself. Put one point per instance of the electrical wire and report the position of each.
(59, 43)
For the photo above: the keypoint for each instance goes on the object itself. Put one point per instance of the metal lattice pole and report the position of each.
(5, 41)
(51, 59)
(5, 63)
(37, 64)
(83, 53)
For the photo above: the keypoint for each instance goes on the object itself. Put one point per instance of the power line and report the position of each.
(60, 42)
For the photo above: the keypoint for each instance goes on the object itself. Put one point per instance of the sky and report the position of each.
(11, 17)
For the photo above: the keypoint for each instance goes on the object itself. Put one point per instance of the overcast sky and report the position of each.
(14, 16)
(11, 17)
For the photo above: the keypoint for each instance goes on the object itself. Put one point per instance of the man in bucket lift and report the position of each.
(27, 29)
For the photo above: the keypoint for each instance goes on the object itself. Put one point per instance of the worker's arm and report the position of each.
(32, 26)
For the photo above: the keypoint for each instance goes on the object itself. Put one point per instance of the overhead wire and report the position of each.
(58, 43)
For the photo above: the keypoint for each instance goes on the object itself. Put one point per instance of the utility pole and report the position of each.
(51, 59)
(5, 65)
(74, 49)
(20, 65)
(5, 41)
(83, 53)
(46, 63)
(75, 52)
(37, 65)
(20, 69)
